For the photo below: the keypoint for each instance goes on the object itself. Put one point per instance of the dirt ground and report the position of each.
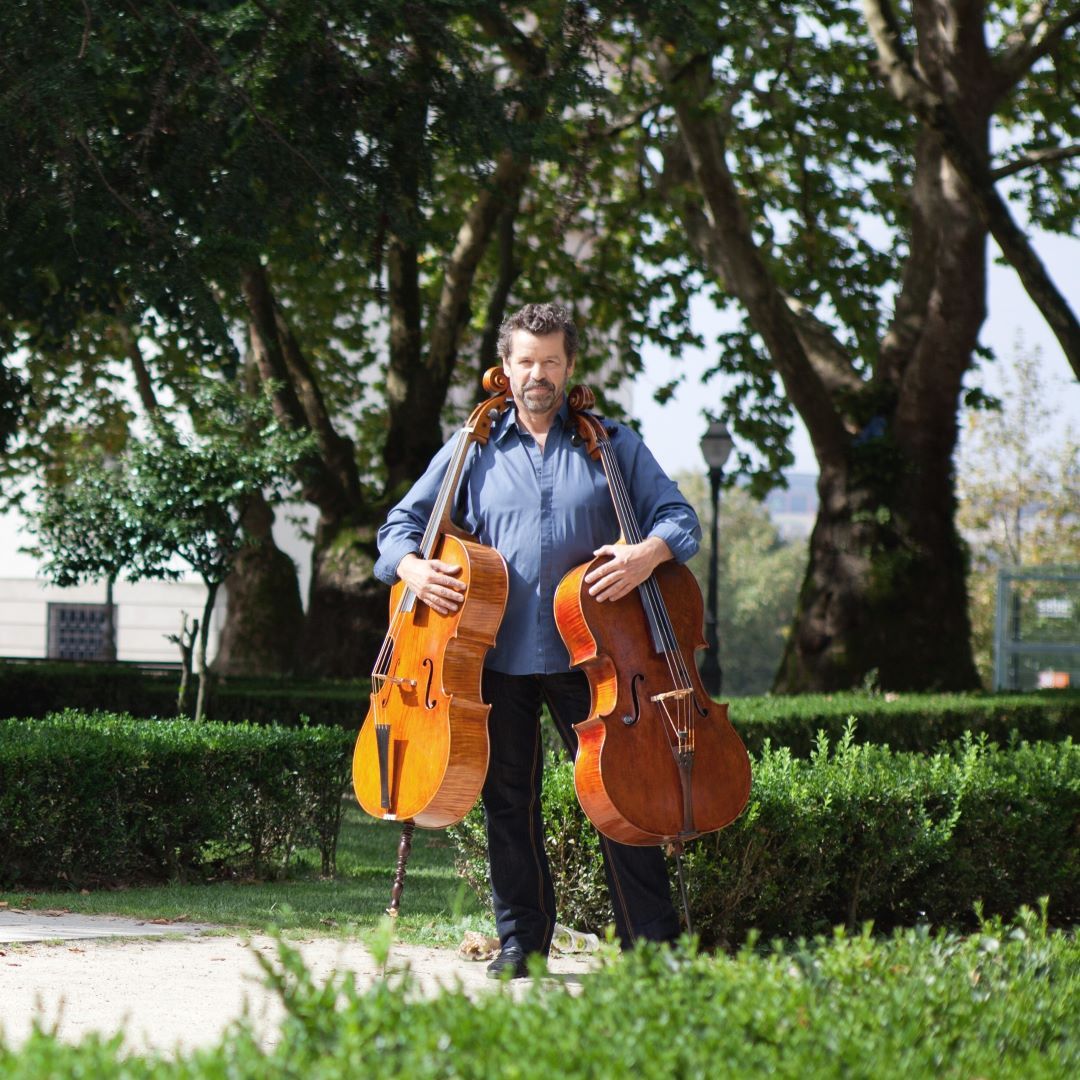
(176, 993)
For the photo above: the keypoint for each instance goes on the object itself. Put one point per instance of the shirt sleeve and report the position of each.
(404, 527)
(661, 509)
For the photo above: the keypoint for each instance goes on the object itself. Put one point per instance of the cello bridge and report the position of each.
(409, 684)
(670, 694)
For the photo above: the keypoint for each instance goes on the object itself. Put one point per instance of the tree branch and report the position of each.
(1034, 160)
(329, 478)
(143, 383)
(734, 257)
(934, 112)
(1034, 39)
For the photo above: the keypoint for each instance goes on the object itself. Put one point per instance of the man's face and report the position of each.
(538, 371)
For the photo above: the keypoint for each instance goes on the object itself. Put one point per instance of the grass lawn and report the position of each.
(436, 906)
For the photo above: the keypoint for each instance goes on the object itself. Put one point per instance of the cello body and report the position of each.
(627, 770)
(658, 761)
(422, 753)
(437, 754)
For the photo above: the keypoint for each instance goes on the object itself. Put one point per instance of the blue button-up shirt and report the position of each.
(545, 512)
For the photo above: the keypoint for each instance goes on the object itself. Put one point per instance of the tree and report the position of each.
(171, 495)
(192, 494)
(86, 529)
(835, 179)
(1019, 488)
(295, 175)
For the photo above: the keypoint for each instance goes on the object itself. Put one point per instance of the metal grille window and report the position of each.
(1037, 632)
(77, 631)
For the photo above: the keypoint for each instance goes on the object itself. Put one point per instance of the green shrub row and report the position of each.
(915, 722)
(859, 833)
(87, 799)
(37, 689)
(1001, 1003)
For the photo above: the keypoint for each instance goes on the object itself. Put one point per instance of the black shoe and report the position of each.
(511, 959)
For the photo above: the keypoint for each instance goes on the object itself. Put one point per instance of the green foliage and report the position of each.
(35, 689)
(913, 722)
(190, 492)
(850, 835)
(171, 495)
(91, 798)
(997, 1003)
(85, 525)
(863, 833)
(909, 722)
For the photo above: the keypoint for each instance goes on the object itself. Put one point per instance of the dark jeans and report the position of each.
(522, 891)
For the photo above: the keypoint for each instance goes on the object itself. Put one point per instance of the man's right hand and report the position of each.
(433, 581)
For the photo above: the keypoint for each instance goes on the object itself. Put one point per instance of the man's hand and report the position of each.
(628, 566)
(433, 582)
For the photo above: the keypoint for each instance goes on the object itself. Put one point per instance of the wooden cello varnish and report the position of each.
(422, 753)
(658, 760)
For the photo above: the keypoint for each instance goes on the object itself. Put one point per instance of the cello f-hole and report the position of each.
(629, 720)
(428, 663)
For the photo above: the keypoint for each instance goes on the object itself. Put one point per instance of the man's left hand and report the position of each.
(627, 567)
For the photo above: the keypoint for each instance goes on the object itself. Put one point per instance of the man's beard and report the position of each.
(537, 404)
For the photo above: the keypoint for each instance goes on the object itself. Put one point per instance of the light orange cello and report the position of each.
(658, 762)
(422, 753)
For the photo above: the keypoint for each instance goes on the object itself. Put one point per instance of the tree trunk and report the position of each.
(347, 606)
(883, 603)
(264, 615)
(884, 598)
(110, 622)
(343, 616)
(200, 657)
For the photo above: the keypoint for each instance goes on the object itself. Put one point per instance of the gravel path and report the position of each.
(174, 993)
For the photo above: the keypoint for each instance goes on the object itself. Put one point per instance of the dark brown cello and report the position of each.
(658, 761)
(422, 753)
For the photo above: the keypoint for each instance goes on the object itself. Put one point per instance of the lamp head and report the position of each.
(716, 445)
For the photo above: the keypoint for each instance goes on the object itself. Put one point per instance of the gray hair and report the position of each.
(539, 320)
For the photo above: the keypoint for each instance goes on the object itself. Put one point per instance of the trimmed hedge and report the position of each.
(914, 722)
(860, 833)
(36, 689)
(1001, 1003)
(87, 799)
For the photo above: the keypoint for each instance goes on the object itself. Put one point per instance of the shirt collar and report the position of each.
(508, 421)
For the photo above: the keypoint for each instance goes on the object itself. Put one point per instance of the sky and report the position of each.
(672, 431)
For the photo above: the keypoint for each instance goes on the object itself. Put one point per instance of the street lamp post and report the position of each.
(716, 445)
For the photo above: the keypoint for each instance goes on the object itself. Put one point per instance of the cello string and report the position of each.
(652, 589)
(652, 598)
(652, 595)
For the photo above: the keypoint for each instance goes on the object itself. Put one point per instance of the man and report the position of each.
(534, 494)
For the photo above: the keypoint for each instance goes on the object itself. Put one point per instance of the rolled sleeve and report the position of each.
(661, 509)
(683, 538)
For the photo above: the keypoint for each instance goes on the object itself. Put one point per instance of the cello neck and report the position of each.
(477, 429)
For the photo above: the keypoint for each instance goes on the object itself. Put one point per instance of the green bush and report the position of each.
(1001, 1003)
(914, 722)
(36, 689)
(96, 798)
(859, 833)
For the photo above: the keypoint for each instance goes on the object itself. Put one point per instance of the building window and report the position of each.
(77, 631)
